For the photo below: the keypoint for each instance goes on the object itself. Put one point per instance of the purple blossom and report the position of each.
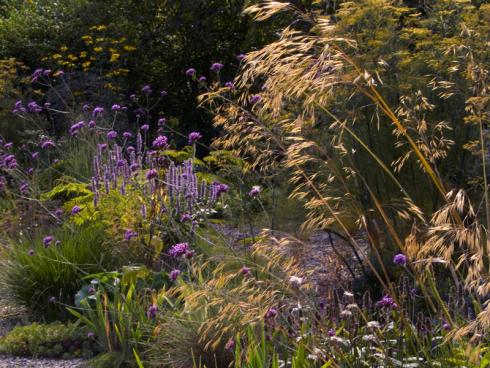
(128, 234)
(98, 111)
(331, 332)
(34, 155)
(30, 171)
(145, 127)
(127, 135)
(194, 137)
(8, 145)
(240, 57)
(133, 97)
(90, 335)
(152, 311)
(75, 209)
(387, 301)
(202, 79)
(255, 191)
(34, 107)
(179, 250)
(75, 128)
(221, 188)
(102, 146)
(230, 85)
(48, 240)
(160, 142)
(230, 344)
(146, 89)
(47, 144)
(51, 300)
(191, 72)
(254, 99)
(245, 270)
(111, 134)
(151, 174)
(185, 217)
(163, 93)
(57, 243)
(9, 162)
(174, 274)
(116, 107)
(47, 105)
(24, 189)
(216, 67)
(31, 252)
(271, 313)
(162, 121)
(91, 124)
(85, 107)
(400, 259)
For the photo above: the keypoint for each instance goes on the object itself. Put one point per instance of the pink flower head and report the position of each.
(179, 250)
(160, 142)
(194, 137)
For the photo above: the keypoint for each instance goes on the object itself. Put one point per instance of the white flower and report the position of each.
(345, 314)
(296, 281)
(373, 324)
(348, 294)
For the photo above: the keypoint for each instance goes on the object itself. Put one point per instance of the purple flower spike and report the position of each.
(75, 209)
(152, 312)
(128, 234)
(151, 174)
(191, 72)
(179, 250)
(48, 240)
(160, 142)
(216, 67)
(387, 302)
(111, 134)
(400, 259)
(194, 137)
(174, 274)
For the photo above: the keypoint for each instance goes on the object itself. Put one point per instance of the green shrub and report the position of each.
(44, 280)
(54, 340)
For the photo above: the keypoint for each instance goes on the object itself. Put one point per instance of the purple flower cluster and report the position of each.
(400, 259)
(174, 274)
(194, 137)
(160, 142)
(179, 250)
(387, 302)
(129, 234)
(216, 67)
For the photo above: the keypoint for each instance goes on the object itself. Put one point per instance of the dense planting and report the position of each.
(318, 201)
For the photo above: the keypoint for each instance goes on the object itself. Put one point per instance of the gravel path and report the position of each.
(16, 362)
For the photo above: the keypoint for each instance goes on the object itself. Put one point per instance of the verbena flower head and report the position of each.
(34, 107)
(216, 67)
(162, 121)
(194, 137)
(48, 240)
(191, 72)
(129, 234)
(146, 89)
(9, 162)
(35, 155)
(174, 274)
(179, 250)
(160, 142)
(116, 107)
(240, 57)
(202, 79)
(8, 145)
(245, 270)
(331, 332)
(75, 209)
(230, 344)
(111, 134)
(254, 99)
(221, 188)
(90, 335)
(31, 252)
(230, 85)
(255, 191)
(91, 124)
(163, 93)
(98, 111)
(271, 313)
(185, 217)
(400, 259)
(127, 135)
(75, 128)
(48, 143)
(387, 302)
(145, 127)
(151, 174)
